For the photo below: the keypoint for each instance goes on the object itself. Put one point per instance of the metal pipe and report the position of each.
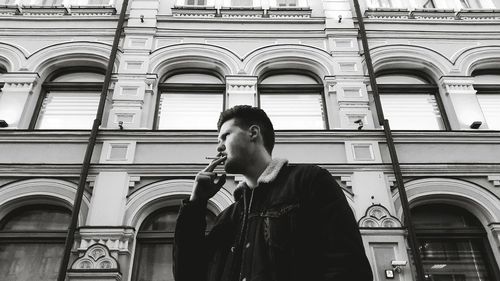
(70, 237)
(412, 238)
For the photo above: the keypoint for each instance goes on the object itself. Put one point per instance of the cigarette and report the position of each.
(212, 158)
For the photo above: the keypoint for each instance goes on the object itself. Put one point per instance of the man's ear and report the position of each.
(254, 132)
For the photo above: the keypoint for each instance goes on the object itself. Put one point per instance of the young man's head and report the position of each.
(245, 133)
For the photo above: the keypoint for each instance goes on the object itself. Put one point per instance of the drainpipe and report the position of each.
(412, 239)
(70, 237)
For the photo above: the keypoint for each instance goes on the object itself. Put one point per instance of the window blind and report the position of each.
(490, 104)
(412, 111)
(297, 111)
(189, 111)
(68, 110)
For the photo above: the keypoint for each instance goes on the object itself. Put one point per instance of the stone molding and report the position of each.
(95, 258)
(433, 14)
(377, 216)
(495, 179)
(194, 12)
(462, 85)
(116, 240)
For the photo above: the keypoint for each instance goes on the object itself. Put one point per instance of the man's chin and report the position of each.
(231, 168)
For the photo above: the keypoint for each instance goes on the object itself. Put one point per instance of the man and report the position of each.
(288, 223)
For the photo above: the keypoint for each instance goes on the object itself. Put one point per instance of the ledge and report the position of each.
(9, 10)
(242, 12)
(44, 10)
(433, 14)
(92, 10)
(194, 12)
(299, 12)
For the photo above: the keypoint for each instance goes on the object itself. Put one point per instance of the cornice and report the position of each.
(408, 170)
(332, 136)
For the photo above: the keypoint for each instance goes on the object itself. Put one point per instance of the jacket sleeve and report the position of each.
(340, 251)
(190, 251)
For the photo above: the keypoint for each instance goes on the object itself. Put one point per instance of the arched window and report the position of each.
(32, 242)
(190, 101)
(69, 100)
(153, 254)
(453, 244)
(411, 102)
(487, 84)
(293, 101)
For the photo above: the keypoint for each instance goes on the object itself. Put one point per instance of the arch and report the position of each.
(474, 198)
(12, 58)
(196, 56)
(68, 54)
(156, 195)
(289, 56)
(478, 58)
(41, 191)
(423, 59)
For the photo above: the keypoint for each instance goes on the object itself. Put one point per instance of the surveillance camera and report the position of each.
(399, 263)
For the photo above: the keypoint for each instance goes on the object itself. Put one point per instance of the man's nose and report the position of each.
(221, 147)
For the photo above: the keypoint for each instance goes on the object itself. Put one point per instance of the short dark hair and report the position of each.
(246, 116)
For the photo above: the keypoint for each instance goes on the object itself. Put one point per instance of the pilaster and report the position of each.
(241, 90)
(462, 96)
(16, 92)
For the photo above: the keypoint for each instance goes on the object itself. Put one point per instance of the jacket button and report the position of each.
(232, 249)
(247, 245)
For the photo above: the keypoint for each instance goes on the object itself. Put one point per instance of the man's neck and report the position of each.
(256, 169)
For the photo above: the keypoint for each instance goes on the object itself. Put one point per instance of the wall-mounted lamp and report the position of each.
(340, 18)
(142, 18)
(120, 125)
(3, 124)
(476, 124)
(397, 265)
(360, 123)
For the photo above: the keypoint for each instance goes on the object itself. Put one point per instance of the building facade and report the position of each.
(181, 62)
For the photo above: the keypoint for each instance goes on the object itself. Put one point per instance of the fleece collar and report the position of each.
(270, 173)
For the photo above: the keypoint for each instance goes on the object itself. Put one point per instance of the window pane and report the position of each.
(453, 259)
(165, 220)
(412, 111)
(401, 79)
(490, 104)
(289, 79)
(81, 76)
(68, 110)
(193, 78)
(154, 262)
(29, 261)
(38, 219)
(189, 111)
(297, 111)
(287, 3)
(242, 3)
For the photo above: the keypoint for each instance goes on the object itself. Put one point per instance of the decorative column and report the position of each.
(241, 90)
(461, 96)
(14, 98)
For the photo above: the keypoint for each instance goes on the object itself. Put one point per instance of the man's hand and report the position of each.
(206, 183)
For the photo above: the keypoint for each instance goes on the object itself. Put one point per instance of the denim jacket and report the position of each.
(295, 225)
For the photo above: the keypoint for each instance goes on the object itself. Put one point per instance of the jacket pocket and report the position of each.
(280, 225)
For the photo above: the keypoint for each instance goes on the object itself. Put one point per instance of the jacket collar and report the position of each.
(270, 174)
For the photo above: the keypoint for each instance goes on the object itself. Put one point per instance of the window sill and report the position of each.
(194, 11)
(289, 12)
(90, 10)
(432, 14)
(9, 10)
(242, 12)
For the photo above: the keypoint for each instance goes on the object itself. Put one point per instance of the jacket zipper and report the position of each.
(244, 231)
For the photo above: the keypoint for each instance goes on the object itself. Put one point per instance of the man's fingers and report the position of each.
(214, 164)
(221, 181)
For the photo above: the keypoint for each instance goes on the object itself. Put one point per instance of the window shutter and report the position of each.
(189, 111)
(68, 110)
(490, 104)
(412, 111)
(299, 111)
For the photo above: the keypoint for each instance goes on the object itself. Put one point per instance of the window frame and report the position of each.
(477, 233)
(194, 88)
(484, 89)
(65, 86)
(277, 89)
(429, 88)
(33, 236)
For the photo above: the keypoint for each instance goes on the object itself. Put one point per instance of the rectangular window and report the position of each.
(189, 111)
(490, 104)
(412, 111)
(241, 3)
(68, 110)
(196, 2)
(294, 111)
(287, 3)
